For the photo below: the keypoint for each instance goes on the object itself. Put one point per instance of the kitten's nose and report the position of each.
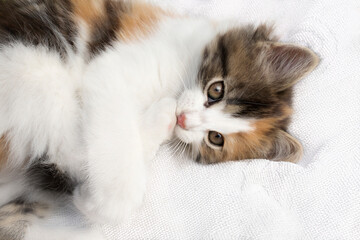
(181, 120)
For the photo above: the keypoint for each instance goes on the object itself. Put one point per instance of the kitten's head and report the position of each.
(241, 106)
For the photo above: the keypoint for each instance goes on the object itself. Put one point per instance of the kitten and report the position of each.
(89, 90)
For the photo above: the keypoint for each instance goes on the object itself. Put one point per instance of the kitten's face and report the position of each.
(241, 104)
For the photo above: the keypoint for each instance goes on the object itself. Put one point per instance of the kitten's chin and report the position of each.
(188, 136)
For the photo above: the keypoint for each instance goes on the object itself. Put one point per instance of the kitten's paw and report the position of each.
(164, 118)
(113, 205)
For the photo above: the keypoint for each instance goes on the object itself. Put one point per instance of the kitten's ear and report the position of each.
(286, 63)
(285, 148)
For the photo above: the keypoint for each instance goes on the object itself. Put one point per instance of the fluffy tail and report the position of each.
(16, 216)
(30, 221)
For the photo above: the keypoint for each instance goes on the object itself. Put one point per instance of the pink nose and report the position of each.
(181, 120)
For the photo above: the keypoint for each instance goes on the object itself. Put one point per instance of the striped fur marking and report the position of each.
(139, 22)
(108, 21)
(102, 21)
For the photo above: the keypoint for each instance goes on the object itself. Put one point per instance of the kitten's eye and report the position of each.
(216, 138)
(216, 92)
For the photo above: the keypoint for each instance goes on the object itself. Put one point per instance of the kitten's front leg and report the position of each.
(116, 171)
(117, 151)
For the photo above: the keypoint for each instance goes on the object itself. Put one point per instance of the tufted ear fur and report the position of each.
(285, 64)
(285, 148)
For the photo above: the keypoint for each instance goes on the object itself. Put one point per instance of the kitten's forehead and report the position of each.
(232, 58)
(231, 55)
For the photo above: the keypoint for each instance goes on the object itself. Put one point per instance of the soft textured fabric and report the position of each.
(319, 198)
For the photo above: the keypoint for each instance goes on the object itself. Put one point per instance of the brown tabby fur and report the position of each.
(258, 75)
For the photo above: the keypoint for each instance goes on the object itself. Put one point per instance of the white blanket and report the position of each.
(317, 199)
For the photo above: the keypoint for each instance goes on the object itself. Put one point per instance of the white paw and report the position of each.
(165, 117)
(113, 205)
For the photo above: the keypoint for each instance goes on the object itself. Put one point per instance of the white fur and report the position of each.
(38, 109)
(104, 121)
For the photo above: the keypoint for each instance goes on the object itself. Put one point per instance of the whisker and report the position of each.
(184, 148)
(175, 148)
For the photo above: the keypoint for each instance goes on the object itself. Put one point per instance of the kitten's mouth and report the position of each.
(181, 134)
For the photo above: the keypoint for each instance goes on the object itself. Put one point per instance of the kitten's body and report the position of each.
(95, 93)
